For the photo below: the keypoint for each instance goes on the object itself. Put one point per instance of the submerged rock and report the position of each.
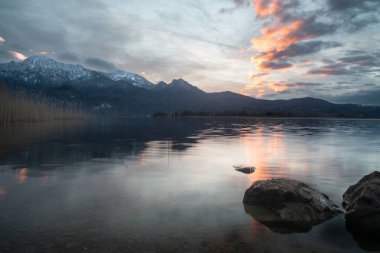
(362, 204)
(245, 169)
(286, 205)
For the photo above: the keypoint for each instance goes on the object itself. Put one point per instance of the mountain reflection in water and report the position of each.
(168, 185)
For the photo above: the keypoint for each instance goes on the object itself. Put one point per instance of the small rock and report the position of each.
(362, 204)
(287, 205)
(245, 169)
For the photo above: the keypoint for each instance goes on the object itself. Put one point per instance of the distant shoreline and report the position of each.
(262, 117)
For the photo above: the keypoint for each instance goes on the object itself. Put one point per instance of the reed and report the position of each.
(17, 106)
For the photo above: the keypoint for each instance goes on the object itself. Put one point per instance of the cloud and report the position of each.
(17, 55)
(237, 4)
(2, 40)
(204, 46)
(241, 3)
(287, 34)
(273, 65)
(265, 8)
(69, 57)
(100, 64)
(4, 54)
(259, 75)
(262, 88)
(329, 70)
(291, 32)
(363, 60)
(349, 65)
(344, 5)
(362, 96)
(300, 49)
(354, 15)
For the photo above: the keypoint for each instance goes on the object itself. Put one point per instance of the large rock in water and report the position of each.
(362, 204)
(286, 205)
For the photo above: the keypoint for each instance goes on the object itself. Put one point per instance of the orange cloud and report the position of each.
(262, 88)
(265, 8)
(275, 38)
(278, 36)
(18, 55)
(259, 75)
(285, 30)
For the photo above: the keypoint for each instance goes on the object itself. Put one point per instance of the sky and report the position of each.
(270, 49)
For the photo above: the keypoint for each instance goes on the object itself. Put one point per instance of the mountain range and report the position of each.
(129, 94)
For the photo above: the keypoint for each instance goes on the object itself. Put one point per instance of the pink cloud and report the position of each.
(18, 55)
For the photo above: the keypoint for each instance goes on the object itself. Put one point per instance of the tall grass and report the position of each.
(17, 106)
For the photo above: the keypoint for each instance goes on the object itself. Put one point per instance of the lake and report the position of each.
(168, 185)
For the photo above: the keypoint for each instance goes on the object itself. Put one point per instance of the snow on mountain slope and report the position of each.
(37, 69)
(136, 79)
(40, 69)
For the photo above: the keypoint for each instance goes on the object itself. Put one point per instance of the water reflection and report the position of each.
(3, 191)
(22, 174)
(108, 186)
(271, 220)
(366, 241)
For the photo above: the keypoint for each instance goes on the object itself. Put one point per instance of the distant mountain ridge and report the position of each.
(40, 69)
(129, 94)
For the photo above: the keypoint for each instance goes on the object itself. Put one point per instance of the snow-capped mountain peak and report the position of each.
(137, 80)
(38, 69)
(41, 69)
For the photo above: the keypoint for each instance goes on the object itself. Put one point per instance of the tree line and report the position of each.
(224, 113)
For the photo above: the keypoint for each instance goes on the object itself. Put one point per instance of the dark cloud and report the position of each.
(305, 48)
(100, 64)
(353, 15)
(363, 60)
(237, 4)
(330, 70)
(16, 47)
(363, 97)
(313, 28)
(5, 56)
(69, 57)
(308, 84)
(328, 61)
(369, 85)
(274, 65)
(363, 94)
(349, 65)
(355, 52)
(343, 5)
(195, 38)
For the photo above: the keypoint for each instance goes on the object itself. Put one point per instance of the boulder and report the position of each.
(362, 204)
(287, 205)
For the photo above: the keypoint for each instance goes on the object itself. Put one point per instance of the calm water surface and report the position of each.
(168, 185)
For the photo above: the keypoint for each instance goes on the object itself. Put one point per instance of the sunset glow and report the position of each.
(189, 126)
(261, 88)
(222, 46)
(17, 55)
